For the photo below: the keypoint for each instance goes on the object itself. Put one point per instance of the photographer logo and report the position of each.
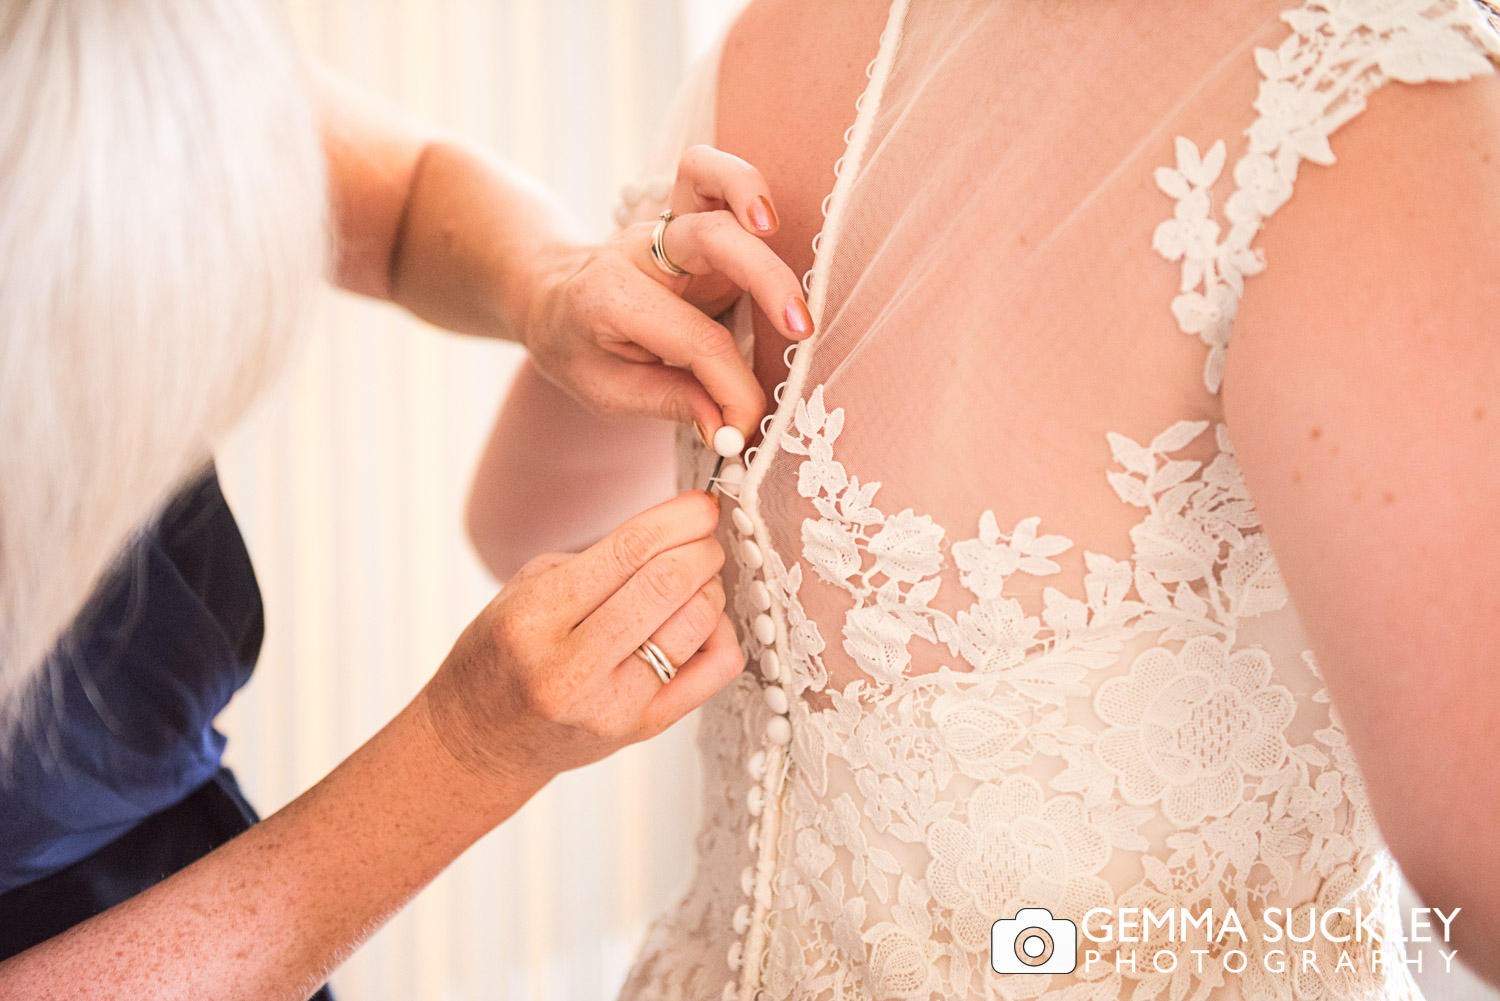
(1033, 942)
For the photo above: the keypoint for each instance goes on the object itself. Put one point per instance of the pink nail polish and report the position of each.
(762, 216)
(798, 319)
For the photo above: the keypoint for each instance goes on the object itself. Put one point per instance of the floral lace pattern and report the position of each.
(1131, 742)
(1195, 732)
(1339, 52)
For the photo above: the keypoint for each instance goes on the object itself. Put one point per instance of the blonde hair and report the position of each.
(162, 207)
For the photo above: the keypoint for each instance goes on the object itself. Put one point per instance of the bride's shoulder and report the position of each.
(1404, 212)
(1374, 319)
(789, 75)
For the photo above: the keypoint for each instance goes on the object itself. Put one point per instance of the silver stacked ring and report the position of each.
(652, 654)
(659, 246)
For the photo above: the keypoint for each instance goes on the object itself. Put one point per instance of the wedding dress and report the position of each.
(1016, 637)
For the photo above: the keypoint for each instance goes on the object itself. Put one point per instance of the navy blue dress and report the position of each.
(117, 782)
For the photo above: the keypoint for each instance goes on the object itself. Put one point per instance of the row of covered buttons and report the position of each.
(778, 728)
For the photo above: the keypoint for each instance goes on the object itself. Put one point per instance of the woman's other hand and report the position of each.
(625, 337)
(546, 678)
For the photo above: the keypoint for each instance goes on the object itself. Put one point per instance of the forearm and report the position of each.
(458, 239)
(477, 242)
(270, 914)
(554, 478)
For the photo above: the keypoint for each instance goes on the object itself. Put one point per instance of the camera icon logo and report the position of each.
(1033, 942)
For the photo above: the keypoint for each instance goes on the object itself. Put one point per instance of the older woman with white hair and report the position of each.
(170, 173)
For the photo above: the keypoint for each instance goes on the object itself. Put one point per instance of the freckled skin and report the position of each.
(1391, 351)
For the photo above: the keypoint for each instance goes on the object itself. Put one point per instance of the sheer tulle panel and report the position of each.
(994, 307)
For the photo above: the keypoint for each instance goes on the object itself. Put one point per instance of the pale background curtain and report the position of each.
(350, 483)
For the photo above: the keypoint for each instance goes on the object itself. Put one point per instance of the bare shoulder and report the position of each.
(1362, 393)
(1381, 291)
(789, 77)
(1388, 255)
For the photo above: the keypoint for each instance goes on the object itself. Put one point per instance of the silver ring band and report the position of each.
(659, 246)
(652, 655)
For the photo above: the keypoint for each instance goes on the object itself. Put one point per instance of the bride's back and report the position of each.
(1021, 639)
(993, 306)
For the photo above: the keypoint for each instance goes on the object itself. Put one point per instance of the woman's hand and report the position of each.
(546, 678)
(624, 337)
(472, 245)
(543, 680)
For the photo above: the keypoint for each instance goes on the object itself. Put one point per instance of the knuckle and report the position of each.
(663, 581)
(632, 545)
(718, 226)
(694, 158)
(548, 700)
(511, 629)
(706, 339)
(676, 401)
(699, 616)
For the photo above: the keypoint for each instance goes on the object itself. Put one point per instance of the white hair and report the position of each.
(162, 229)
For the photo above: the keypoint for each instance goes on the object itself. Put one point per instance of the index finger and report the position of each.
(682, 335)
(709, 178)
(594, 575)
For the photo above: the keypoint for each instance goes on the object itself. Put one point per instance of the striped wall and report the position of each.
(350, 481)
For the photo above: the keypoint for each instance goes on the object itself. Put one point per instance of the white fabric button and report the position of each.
(752, 837)
(760, 595)
(729, 441)
(779, 730)
(770, 665)
(622, 214)
(732, 475)
(661, 188)
(741, 919)
(750, 553)
(765, 628)
(742, 521)
(631, 193)
(747, 879)
(736, 956)
(756, 766)
(776, 699)
(755, 800)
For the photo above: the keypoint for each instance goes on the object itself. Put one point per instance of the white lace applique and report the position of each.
(1339, 52)
(1195, 536)
(1196, 732)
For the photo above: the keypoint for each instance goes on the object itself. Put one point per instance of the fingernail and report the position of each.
(762, 216)
(713, 495)
(798, 319)
(703, 435)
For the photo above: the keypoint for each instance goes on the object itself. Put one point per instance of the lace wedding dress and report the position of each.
(1016, 636)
